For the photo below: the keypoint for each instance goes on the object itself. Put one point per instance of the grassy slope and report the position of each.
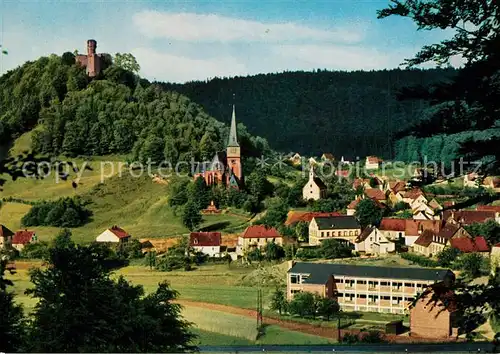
(136, 204)
(210, 283)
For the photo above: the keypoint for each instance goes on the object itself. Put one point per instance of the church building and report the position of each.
(314, 188)
(225, 167)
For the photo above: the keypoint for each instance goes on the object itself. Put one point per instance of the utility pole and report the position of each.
(259, 309)
(339, 338)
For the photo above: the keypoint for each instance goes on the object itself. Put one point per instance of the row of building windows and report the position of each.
(339, 233)
(376, 284)
(375, 299)
(439, 239)
(371, 284)
(298, 278)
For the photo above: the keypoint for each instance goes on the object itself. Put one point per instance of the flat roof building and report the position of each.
(365, 288)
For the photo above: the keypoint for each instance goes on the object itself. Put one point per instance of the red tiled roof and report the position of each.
(119, 232)
(22, 237)
(204, 239)
(495, 208)
(373, 159)
(5, 232)
(425, 238)
(448, 231)
(434, 204)
(359, 182)
(412, 226)
(413, 193)
(468, 217)
(399, 186)
(468, 245)
(364, 235)
(353, 204)
(388, 224)
(375, 193)
(294, 217)
(260, 231)
(342, 173)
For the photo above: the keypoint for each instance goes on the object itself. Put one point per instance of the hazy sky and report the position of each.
(199, 39)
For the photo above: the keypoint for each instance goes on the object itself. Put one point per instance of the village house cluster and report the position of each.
(428, 228)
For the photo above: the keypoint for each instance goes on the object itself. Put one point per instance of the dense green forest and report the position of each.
(438, 148)
(345, 113)
(117, 113)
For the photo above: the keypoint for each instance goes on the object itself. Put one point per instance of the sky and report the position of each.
(179, 41)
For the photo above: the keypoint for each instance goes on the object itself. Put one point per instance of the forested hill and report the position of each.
(345, 113)
(116, 113)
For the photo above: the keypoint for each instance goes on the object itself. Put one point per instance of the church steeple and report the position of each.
(233, 138)
(234, 168)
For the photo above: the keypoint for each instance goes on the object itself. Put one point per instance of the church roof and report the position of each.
(217, 163)
(233, 138)
(319, 182)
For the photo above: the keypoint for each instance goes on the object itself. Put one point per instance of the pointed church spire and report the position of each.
(233, 139)
(311, 172)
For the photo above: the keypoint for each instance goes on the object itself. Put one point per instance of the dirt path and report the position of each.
(316, 330)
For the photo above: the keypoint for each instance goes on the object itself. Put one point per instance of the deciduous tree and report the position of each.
(368, 212)
(127, 61)
(77, 295)
(278, 301)
(191, 216)
(12, 322)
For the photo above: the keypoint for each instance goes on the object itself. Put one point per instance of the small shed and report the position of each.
(394, 327)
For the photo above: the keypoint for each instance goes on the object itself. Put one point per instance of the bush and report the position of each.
(420, 260)
(303, 304)
(308, 253)
(332, 248)
(350, 338)
(472, 265)
(36, 250)
(64, 212)
(169, 263)
(130, 250)
(255, 255)
(370, 337)
(400, 206)
(447, 256)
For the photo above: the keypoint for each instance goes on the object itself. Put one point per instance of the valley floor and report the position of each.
(220, 301)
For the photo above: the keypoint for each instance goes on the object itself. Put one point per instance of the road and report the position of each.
(478, 347)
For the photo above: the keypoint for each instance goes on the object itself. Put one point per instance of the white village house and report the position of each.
(114, 234)
(372, 241)
(206, 242)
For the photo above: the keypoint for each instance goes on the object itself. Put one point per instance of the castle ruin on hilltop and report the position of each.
(93, 62)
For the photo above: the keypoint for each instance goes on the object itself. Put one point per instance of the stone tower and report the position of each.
(233, 152)
(93, 60)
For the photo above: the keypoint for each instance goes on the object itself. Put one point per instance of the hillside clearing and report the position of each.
(136, 204)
